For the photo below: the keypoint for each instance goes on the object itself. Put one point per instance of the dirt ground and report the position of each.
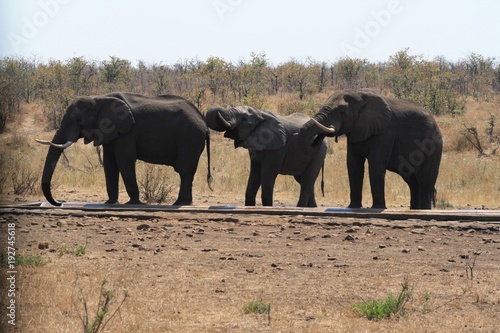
(195, 272)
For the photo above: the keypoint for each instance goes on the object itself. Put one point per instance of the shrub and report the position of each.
(385, 308)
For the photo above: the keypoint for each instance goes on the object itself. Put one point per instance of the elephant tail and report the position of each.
(434, 195)
(323, 179)
(209, 175)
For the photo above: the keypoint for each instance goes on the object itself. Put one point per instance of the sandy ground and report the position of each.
(195, 272)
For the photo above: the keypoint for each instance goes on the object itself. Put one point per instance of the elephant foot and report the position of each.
(135, 202)
(379, 207)
(111, 202)
(182, 203)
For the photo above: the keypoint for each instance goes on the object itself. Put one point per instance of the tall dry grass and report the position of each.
(465, 180)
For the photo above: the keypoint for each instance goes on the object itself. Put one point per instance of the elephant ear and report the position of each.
(269, 134)
(114, 117)
(374, 115)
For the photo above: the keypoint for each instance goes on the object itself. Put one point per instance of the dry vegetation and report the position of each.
(185, 272)
(197, 273)
(466, 180)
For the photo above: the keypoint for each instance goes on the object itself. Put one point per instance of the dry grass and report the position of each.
(201, 281)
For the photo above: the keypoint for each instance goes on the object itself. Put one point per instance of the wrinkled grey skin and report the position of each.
(392, 134)
(272, 143)
(161, 130)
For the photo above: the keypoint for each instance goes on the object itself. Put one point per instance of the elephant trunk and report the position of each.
(48, 170)
(310, 138)
(50, 164)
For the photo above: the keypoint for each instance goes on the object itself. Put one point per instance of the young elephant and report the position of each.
(392, 134)
(272, 143)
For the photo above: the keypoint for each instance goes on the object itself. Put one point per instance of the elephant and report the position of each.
(165, 130)
(392, 134)
(273, 148)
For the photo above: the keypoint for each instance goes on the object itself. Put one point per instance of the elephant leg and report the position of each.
(185, 196)
(125, 158)
(111, 173)
(185, 166)
(127, 170)
(414, 191)
(308, 178)
(253, 184)
(426, 194)
(267, 189)
(377, 184)
(307, 197)
(356, 172)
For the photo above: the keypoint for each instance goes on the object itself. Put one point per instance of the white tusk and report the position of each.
(224, 121)
(329, 130)
(43, 142)
(64, 146)
(47, 142)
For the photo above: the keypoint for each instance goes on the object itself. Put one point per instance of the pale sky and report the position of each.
(169, 31)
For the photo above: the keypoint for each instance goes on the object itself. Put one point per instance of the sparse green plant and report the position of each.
(425, 306)
(103, 313)
(385, 308)
(257, 307)
(32, 260)
(79, 251)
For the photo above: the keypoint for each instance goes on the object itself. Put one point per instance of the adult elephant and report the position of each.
(161, 130)
(392, 134)
(273, 148)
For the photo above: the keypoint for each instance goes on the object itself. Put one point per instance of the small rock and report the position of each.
(349, 238)
(143, 227)
(382, 246)
(352, 230)
(406, 251)
(420, 248)
(43, 246)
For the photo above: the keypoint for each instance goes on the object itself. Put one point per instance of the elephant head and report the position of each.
(358, 114)
(97, 119)
(249, 127)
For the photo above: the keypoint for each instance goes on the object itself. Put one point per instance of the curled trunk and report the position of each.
(310, 138)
